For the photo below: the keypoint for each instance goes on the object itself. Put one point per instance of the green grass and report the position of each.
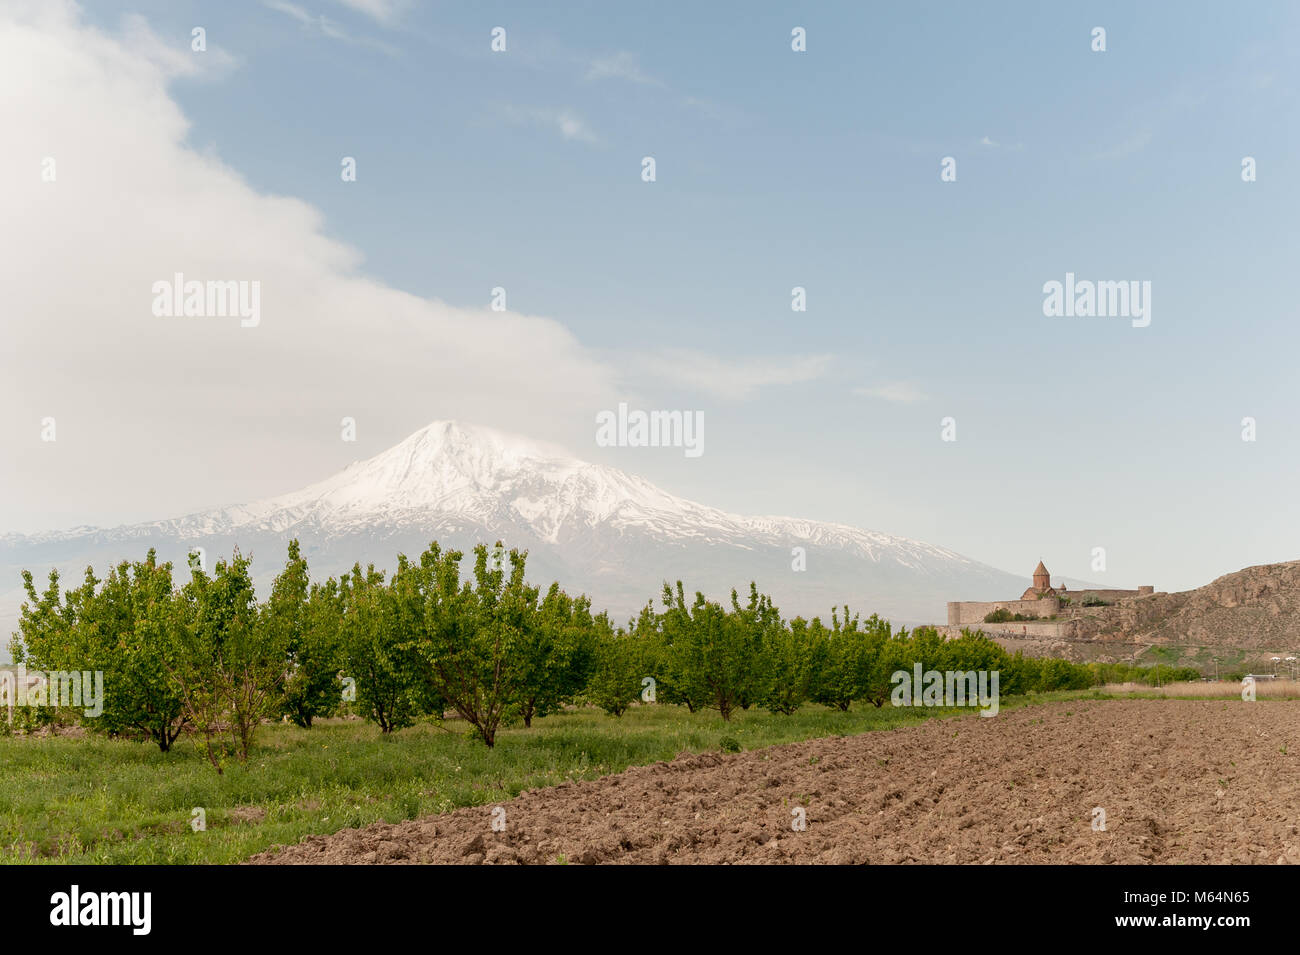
(95, 800)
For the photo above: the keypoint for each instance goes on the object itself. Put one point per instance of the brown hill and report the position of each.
(1243, 618)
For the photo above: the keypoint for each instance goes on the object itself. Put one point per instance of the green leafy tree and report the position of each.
(884, 654)
(125, 627)
(305, 620)
(790, 657)
(713, 653)
(49, 637)
(1021, 674)
(661, 660)
(227, 669)
(841, 662)
(974, 651)
(616, 680)
(556, 653)
(1063, 675)
(473, 635)
(376, 645)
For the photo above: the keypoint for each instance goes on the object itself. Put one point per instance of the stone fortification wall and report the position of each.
(964, 612)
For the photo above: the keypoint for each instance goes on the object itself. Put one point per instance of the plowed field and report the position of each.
(1179, 781)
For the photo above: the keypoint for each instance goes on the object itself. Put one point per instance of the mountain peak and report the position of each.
(445, 466)
(596, 528)
(449, 434)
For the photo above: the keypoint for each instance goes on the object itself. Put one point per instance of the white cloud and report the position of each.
(621, 66)
(566, 122)
(732, 379)
(159, 415)
(384, 12)
(174, 58)
(902, 392)
(323, 25)
(994, 144)
(572, 127)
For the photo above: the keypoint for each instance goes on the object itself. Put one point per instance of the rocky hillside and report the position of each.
(1246, 616)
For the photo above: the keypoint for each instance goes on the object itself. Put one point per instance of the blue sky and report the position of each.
(821, 169)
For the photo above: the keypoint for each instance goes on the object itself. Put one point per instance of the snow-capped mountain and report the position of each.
(596, 529)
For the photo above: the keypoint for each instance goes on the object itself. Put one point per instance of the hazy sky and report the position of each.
(774, 169)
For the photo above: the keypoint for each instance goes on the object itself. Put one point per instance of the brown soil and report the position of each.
(1180, 781)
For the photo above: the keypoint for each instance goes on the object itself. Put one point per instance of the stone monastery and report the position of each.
(1040, 602)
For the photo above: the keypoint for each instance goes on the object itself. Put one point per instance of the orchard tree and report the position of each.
(884, 654)
(842, 659)
(377, 651)
(305, 619)
(228, 670)
(48, 637)
(712, 652)
(127, 628)
(790, 664)
(473, 634)
(556, 653)
(617, 680)
(756, 625)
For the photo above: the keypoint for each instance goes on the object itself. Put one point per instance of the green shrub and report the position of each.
(1003, 615)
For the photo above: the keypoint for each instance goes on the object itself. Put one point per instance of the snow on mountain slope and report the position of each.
(594, 528)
